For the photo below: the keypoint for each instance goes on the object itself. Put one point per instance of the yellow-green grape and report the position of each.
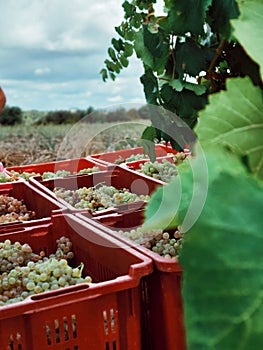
(163, 171)
(24, 175)
(89, 170)
(98, 197)
(6, 178)
(17, 282)
(160, 242)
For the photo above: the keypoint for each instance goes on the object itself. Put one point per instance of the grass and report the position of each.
(27, 144)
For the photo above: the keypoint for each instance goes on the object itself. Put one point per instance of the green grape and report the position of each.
(46, 273)
(6, 178)
(163, 170)
(98, 197)
(160, 242)
(30, 285)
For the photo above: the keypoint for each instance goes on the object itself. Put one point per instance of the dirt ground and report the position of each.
(22, 152)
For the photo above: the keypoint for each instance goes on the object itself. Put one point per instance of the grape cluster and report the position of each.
(164, 243)
(13, 209)
(163, 170)
(131, 158)
(6, 178)
(23, 175)
(98, 197)
(179, 157)
(50, 175)
(24, 273)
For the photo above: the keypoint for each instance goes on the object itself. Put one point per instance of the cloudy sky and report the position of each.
(51, 52)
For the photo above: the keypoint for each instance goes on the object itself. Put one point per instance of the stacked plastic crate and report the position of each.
(134, 301)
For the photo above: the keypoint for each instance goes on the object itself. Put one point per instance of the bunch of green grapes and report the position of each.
(131, 158)
(168, 245)
(179, 157)
(24, 273)
(23, 175)
(88, 170)
(98, 197)
(13, 209)
(6, 178)
(50, 175)
(163, 171)
(164, 243)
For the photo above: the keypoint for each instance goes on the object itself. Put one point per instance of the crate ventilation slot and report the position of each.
(15, 342)
(58, 332)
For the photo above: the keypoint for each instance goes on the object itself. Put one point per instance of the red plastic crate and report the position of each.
(34, 199)
(111, 157)
(99, 316)
(115, 176)
(162, 309)
(72, 165)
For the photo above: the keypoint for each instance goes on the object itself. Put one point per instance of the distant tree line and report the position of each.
(11, 116)
(15, 115)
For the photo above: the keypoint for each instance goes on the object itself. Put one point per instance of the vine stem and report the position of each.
(215, 58)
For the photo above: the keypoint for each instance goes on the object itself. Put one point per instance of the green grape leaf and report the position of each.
(112, 54)
(129, 35)
(160, 211)
(147, 141)
(152, 48)
(190, 59)
(178, 85)
(110, 65)
(129, 9)
(222, 263)
(136, 20)
(187, 16)
(221, 13)
(142, 51)
(104, 74)
(124, 61)
(119, 30)
(185, 103)
(248, 29)
(117, 44)
(128, 49)
(235, 118)
(150, 85)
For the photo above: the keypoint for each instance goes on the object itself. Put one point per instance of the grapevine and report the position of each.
(188, 52)
(24, 273)
(98, 197)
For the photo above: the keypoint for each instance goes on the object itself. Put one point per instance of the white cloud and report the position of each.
(51, 53)
(117, 98)
(42, 71)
